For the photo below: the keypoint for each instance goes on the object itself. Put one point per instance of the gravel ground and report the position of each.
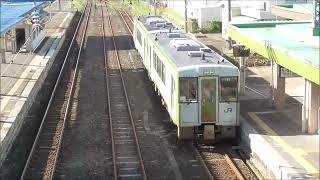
(86, 149)
(246, 172)
(214, 158)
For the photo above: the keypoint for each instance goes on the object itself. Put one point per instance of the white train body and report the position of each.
(199, 87)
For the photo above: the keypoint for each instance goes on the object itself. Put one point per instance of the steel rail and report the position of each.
(115, 174)
(233, 167)
(52, 97)
(125, 22)
(128, 104)
(71, 91)
(127, 15)
(203, 162)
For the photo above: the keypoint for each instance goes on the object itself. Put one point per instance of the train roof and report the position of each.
(156, 23)
(184, 50)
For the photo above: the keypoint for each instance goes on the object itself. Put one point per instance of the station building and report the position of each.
(21, 29)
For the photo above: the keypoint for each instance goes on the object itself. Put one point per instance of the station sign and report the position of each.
(286, 73)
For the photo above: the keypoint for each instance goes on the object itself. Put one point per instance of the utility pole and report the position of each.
(229, 21)
(155, 7)
(186, 15)
(229, 10)
(316, 21)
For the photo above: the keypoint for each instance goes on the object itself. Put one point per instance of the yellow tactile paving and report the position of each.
(295, 153)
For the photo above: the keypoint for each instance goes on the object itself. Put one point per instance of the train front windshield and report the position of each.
(228, 89)
(188, 89)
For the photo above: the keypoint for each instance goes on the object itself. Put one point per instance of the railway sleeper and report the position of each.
(51, 128)
(122, 129)
(42, 144)
(126, 152)
(129, 170)
(123, 137)
(37, 170)
(45, 142)
(130, 176)
(126, 142)
(34, 176)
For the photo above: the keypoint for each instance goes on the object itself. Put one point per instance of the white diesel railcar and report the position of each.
(198, 87)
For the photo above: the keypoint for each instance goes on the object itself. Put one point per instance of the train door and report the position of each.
(208, 105)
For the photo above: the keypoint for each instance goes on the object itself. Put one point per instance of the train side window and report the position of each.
(188, 89)
(154, 60)
(163, 74)
(173, 89)
(150, 52)
(228, 89)
(139, 37)
(159, 67)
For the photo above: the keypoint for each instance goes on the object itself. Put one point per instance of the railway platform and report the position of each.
(23, 75)
(272, 138)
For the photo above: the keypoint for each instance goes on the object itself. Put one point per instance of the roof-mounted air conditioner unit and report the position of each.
(174, 35)
(195, 53)
(161, 24)
(183, 44)
(208, 50)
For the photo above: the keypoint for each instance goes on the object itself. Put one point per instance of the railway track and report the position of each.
(127, 19)
(86, 149)
(41, 162)
(221, 165)
(127, 158)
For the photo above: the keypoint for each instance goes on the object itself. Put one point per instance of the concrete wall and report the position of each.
(207, 14)
(202, 10)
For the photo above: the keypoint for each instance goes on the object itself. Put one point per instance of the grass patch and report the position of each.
(142, 9)
(138, 8)
(173, 16)
(78, 5)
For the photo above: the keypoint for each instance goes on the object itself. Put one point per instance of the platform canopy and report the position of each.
(14, 12)
(294, 11)
(290, 44)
